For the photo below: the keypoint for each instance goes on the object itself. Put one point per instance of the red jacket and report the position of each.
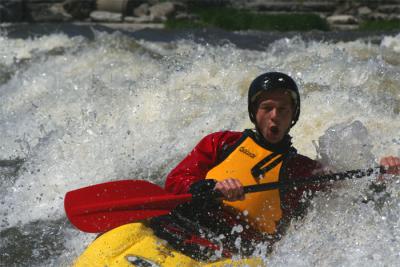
(206, 154)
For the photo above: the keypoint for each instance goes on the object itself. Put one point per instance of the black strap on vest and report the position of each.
(257, 171)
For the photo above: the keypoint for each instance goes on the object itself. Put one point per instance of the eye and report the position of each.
(267, 108)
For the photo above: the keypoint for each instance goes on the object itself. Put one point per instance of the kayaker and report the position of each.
(274, 108)
(228, 160)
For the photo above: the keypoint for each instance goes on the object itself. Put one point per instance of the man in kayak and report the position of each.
(226, 161)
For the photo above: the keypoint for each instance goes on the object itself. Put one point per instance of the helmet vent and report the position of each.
(265, 83)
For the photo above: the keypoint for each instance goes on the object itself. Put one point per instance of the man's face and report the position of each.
(274, 115)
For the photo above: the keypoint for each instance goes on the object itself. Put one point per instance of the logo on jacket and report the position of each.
(247, 152)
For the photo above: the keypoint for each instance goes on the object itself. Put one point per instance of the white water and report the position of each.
(82, 112)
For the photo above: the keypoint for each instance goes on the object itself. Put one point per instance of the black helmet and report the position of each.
(273, 81)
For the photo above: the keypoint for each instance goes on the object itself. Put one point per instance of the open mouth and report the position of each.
(274, 129)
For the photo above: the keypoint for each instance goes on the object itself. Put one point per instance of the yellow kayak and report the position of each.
(135, 245)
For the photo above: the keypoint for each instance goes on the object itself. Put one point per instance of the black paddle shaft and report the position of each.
(314, 180)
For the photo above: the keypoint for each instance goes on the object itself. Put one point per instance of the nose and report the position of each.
(274, 113)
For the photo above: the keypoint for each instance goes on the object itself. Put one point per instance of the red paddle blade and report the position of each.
(102, 207)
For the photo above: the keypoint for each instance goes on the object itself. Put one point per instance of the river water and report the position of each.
(83, 105)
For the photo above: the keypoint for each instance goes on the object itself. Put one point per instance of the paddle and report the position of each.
(102, 207)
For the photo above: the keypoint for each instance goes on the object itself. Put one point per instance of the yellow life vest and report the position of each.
(253, 163)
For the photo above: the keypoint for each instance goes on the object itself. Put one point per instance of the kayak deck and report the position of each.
(135, 245)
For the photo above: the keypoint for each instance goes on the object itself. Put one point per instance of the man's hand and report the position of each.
(231, 189)
(391, 165)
